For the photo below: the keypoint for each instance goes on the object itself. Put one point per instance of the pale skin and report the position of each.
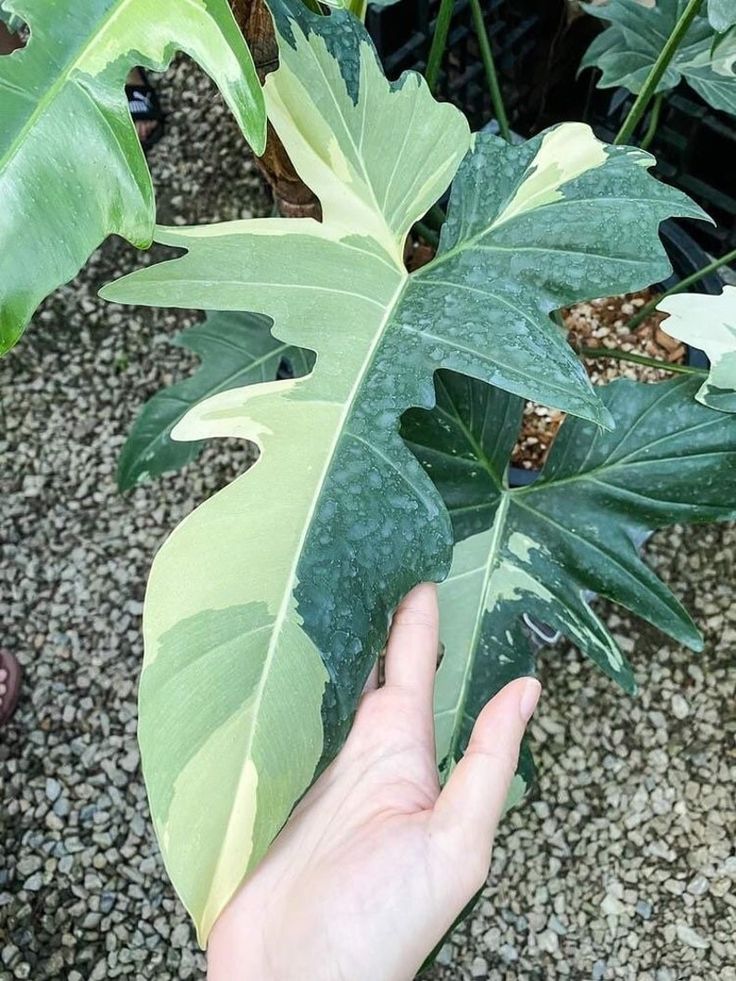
(376, 862)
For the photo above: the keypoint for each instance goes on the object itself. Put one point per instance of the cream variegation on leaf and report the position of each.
(268, 605)
(708, 323)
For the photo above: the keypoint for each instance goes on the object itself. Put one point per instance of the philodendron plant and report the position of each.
(384, 445)
(277, 592)
(705, 55)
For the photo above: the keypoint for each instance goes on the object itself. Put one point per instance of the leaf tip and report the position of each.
(108, 292)
(695, 642)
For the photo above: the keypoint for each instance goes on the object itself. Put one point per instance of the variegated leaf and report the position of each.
(72, 170)
(528, 559)
(627, 50)
(312, 549)
(236, 349)
(708, 323)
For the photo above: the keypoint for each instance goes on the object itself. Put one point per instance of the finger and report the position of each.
(371, 682)
(411, 651)
(471, 804)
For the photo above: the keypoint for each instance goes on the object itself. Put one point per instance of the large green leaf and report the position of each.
(532, 556)
(71, 166)
(708, 323)
(312, 549)
(236, 349)
(627, 50)
(722, 14)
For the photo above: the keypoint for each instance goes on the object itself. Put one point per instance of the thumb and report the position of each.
(471, 804)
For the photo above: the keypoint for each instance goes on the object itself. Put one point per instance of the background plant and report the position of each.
(722, 14)
(649, 50)
(236, 349)
(72, 170)
(709, 321)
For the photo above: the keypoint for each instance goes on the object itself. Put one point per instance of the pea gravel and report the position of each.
(622, 867)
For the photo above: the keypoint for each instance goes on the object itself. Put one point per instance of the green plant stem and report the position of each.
(680, 287)
(428, 234)
(360, 9)
(490, 67)
(646, 140)
(435, 217)
(657, 71)
(618, 355)
(439, 43)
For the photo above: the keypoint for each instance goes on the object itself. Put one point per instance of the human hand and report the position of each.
(376, 862)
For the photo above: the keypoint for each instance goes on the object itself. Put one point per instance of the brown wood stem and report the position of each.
(292, 197)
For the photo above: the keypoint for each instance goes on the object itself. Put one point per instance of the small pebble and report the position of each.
(680, 708)
(691, 937)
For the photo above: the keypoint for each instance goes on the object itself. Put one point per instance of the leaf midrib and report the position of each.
(499, 523)
(540, 488)
(481, 455)
(469, 243)
(282, 613)
(393, 249)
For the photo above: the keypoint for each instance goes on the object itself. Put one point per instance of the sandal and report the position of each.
(144, 107)
(10, 675)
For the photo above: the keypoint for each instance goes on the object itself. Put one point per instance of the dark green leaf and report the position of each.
(532, 556)
(722, 14)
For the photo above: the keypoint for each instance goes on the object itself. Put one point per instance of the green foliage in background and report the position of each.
(72, 170)
(627, 50)
(722, 14)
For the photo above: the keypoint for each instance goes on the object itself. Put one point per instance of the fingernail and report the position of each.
(529, 698)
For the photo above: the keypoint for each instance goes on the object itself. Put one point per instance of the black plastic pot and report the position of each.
(686, 257)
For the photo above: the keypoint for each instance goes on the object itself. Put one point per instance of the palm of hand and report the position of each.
(375, 863)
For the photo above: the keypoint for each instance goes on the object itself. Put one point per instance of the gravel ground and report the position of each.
(621, 868)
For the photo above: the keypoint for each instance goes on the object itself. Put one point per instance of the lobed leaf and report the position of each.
(708, 323)
(312, 549)
(626, 51)
(533, 556)
(72, 170)
(236, 349)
